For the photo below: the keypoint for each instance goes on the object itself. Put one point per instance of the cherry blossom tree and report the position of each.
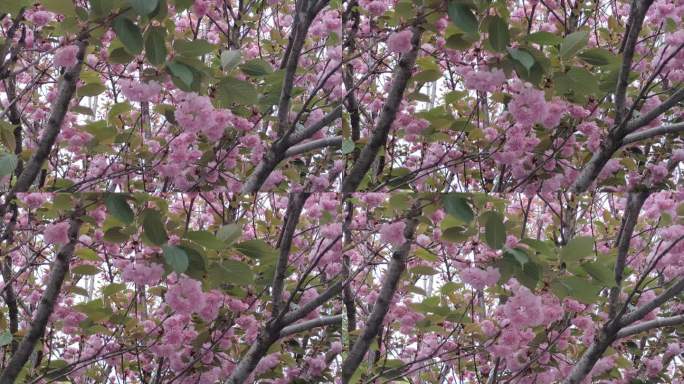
(347, 191)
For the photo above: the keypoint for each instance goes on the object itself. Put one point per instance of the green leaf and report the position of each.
(256, 249)
(144, 7)
(129, 34)
(232, 90)
(206, 239)
(92, 89)
(256, 68)
(153, 227)
(601, 273)
(176, 258)
(462, 17)
(233, 272)
(544, 38)
(5, 338)
(118, 207)
(8, 162)
(519, 255)
(423, 270)
(522, 57)
(577, 248)
(572, 44)
(155, 45)
(347, 146)
(576, 287)
(101, 8)
(230, 59)
(182, 5)
(85, 269)
(457, 206)
(229, 233)
(193, 48)
(116, 235)
(181, 71)
(499, 37)
(597, 56)
(7, 135)
(113, 288)
(529, 275)
(65, 7)
(197, 266)
(495, 231)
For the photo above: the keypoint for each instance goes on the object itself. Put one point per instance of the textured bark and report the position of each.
(58, 271)
(402, 74)
(391, 279)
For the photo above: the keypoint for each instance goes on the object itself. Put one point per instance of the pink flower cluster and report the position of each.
(196, 114)
(66, 56)
(140, 91)
(57, 233)
(480, 278)
(400, 42)
(484, 81)
(143, 273)
(393, 233)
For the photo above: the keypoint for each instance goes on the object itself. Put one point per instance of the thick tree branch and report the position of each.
(402, 74)
(277, 152)
(651, 324)
(67, 88)
(391, 279)
(635, 21)
(635, 201)
(58, 271)
(645, 309)
(310, 324)
(335, 141)
(653, 132)
(294, 211)
(663, 107)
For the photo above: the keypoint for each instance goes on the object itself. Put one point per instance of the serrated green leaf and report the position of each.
(256, 249)
(572, 44)
(347, 146)
(462, 17)
(181, 71)
(232, 90)
(544, 38)
(495, 230)
(193, 48)
(153, 227)
(155, 45)
(522, 57)
(577, 248)
(85, 269)
(229, 233)
(499, 37)
(230, 59)
(144, 7)
(457, 206)
(256, 68)
(206, 239)
(8, 162)
(176, 258)
(129, 34)
(118, 207)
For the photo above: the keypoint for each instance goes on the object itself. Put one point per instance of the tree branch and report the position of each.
(645, 309)
(635, 21)
(402, 74)
(58, 271)
(310, 324)
(653, 132)
(655, 112)
(335, 141)
(294, 210)
(60, 107)
(396, 267)
(651, 324)
(635, 201)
